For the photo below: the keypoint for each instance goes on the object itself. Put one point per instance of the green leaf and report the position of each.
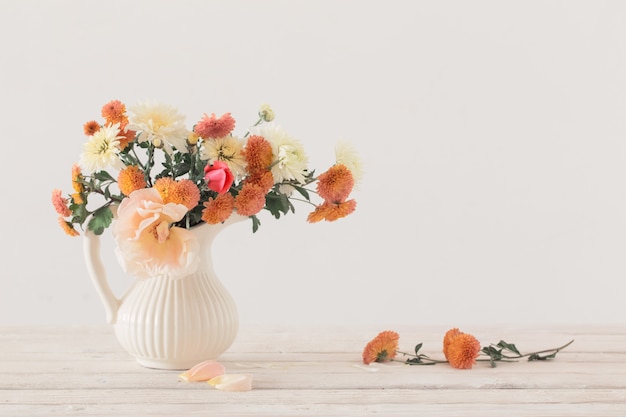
(284, 203)
(418, 361)
(79, 212)
(492, 352)
(509, 346)
(538, 357)
(274, 204)
(418, 347)
(103, 176)
(303, 191)
(255, 223)
(100, 220)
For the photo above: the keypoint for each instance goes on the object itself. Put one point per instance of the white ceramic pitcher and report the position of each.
(170, 323)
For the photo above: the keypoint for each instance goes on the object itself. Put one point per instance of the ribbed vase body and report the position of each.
(175, 324)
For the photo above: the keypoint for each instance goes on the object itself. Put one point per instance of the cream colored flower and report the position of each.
(147, 244)
(291, 160)
(101, 151)
(227, 149)
(266, 113)
(159, 123)
(347, 155)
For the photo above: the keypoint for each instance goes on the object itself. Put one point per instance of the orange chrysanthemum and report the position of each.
(212, 127)
(180, 192)
(461, 349)
(264, 179)
(382, 348)
(125, 136)
(77, 176)
(91, 127)
(114, 112)
(448, 338)
(219, 209)
(163, 185)
(258, 154)
(77, 198)
(336, 184)
(60, 204)
(131, 179)
(250, 200)
(330, 211)
(67, 227)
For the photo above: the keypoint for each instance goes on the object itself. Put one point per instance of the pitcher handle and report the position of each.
(91, 249)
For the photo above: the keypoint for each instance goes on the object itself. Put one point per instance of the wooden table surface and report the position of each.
(308, 371)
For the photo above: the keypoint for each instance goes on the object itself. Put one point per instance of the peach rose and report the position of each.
(147, 244)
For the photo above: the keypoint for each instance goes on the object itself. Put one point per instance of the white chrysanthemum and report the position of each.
(347, 155)
(227, 149)
(159, 122)
(101, 150)
(291, 160)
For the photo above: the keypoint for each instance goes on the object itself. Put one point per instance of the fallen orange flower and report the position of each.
(460, 349)
(382, 348)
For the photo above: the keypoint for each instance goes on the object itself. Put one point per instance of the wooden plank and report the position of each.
(336, 375)
(316, 371)
(199, 393)
(328, 403)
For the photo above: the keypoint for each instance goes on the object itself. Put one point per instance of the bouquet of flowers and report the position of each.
(158, 178)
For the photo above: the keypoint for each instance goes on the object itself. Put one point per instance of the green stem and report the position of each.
(422, 357)
(141, 165)
(258, 122)
(302, 200)
(149, 164)
(555, 350)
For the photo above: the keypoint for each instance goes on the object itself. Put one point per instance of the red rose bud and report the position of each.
(218, 177)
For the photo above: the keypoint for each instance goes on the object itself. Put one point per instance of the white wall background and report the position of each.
(493, 134)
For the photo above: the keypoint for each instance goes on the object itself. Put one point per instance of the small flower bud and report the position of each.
(192, 139)
(158, 143)
(266, 113)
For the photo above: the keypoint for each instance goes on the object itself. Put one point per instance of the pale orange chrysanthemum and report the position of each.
(180, 192)
(258, 154)
(250, 200)
(77, 198)
(382, 348)
(331, 211)
(336, 184)
(67, 227)
(77, 176)
(212, 127)
(164, 185)
(185, 192)
(264, 179)
(91, 127)
(114, 112)
(131, 179)
(219, 209)
(60, 204)
(462, 350)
